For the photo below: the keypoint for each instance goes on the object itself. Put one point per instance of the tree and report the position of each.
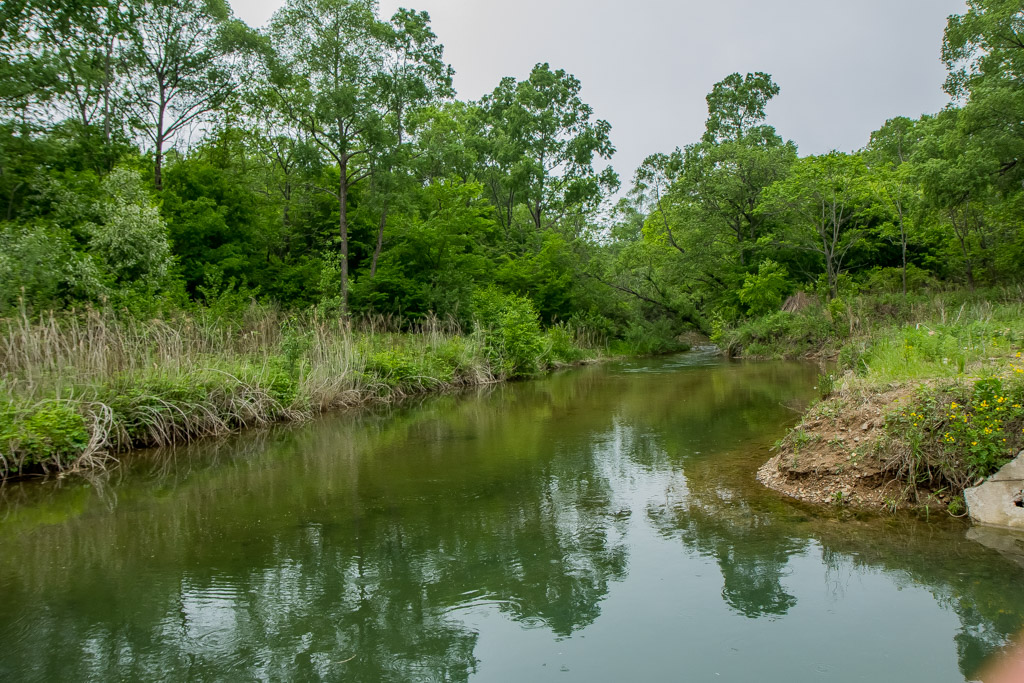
(179, 70)
(416, 76)
(984, 52)
(985, 43)
(736, 106)
(893, 181)
(956, 178)
(538, 145)
(738, 157)
(822, 200)
(336, 70)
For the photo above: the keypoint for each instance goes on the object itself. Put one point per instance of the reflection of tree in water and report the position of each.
(751, 551)
(348, 566)
(964, 577)
(721, 512)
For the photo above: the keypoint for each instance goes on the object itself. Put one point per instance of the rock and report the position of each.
(1000, 500)
(1013, 471)
(865, 427)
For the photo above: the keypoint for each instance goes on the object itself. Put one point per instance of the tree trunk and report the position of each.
(107, 114)
(903, 235)
(158, 164)
(343, 231)
(380, 242)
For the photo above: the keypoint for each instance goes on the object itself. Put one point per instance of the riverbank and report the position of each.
(913, 414)
(79, 390)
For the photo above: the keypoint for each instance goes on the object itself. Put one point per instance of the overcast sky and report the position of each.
(844, 66)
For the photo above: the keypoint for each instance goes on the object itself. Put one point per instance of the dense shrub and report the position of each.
(511, 328)
(649, 338)
(49, 432)
(782, 334)
(763, 292)
(957, 431)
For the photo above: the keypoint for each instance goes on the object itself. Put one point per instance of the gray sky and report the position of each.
(844, 66)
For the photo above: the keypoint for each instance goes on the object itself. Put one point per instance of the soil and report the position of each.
(832, 457)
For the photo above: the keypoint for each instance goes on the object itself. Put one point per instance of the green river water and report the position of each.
(599, 524)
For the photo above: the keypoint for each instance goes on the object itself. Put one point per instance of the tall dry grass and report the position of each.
(77, 389)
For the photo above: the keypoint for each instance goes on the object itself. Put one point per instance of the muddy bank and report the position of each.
(837, 456)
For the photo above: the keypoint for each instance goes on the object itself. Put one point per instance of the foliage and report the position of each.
(329, 174)
(957, 432)
(47, 432)
(783, 334)
(763, 292)
(649, 338)
(511, 327)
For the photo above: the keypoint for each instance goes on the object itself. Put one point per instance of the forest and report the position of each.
(163, 163)
(160, 155)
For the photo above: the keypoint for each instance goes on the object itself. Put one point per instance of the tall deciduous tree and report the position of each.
(415, 76)
(540, 144)
(822, 201)
(738, 157)
(893, 181)
(179, 71)
(339, 74)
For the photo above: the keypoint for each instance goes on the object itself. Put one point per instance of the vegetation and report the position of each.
(179, 180)
(949, 384)
(79, 389)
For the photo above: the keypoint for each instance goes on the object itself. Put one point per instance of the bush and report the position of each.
(763, 293)
(560, 347)
(48, 433)
(511, 327)
(782, 334)
(393, 366)
(649, 339)
(956, 432)
(890, 280)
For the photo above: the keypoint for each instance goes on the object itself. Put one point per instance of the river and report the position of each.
(598, 524)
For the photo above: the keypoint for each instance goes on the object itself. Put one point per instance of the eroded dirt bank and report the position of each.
(835, 456)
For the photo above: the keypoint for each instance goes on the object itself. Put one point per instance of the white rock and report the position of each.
(997, 501)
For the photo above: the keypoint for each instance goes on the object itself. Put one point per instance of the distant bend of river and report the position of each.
(598, 524)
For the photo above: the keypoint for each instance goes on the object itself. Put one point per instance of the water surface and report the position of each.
(601, 524)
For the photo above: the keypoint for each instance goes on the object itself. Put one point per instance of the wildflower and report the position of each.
(953, 405)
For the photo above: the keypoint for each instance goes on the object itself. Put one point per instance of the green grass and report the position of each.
(78, 389)
(957, 362)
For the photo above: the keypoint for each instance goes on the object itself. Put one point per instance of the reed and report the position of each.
(79, 388)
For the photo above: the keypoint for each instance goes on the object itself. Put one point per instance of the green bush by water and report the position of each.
(49, 432)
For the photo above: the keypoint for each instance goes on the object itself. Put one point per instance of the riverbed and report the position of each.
(598, 524)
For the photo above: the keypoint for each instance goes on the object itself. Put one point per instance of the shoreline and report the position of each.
(94, 457)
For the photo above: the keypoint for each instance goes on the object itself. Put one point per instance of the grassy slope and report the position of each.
(76, 390)
(944, 376)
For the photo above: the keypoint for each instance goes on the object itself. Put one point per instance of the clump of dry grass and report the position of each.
(77, 389)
